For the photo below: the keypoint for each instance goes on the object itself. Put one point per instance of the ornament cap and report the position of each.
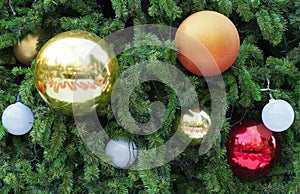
(272, 100)
(19, 99)
(270, 96)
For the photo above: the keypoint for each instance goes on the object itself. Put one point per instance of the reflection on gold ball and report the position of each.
(26, 49)
(195, 124)
(75, 71)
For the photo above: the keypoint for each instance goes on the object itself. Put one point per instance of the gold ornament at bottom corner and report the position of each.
(26, 49)
(74, 72)
(195, 124)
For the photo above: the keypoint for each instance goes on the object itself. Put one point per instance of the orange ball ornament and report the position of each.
(207, 42)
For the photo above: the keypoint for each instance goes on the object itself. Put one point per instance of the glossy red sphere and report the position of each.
(252, 149)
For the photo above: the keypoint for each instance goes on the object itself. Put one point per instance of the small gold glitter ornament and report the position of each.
(26, 49)
(74, 72)
(195, 124)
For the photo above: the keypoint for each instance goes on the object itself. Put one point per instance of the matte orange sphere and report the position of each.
(207, 42)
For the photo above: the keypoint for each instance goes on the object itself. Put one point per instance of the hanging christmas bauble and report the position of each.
(195, 124)
(207, 42)
(75, 71)
(17, 118)
(252, 149)
(278, 115)
(123, 153)
(26, 49)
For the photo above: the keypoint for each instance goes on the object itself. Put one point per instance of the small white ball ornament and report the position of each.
(278, 115)
(123, 153)
(17, 118)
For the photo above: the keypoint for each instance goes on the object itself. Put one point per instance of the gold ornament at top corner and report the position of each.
(195, 124)
(75, 71)
(26, 49)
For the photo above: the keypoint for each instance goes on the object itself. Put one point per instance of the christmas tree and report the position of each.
(62, 154)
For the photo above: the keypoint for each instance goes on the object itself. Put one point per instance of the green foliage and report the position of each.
(167, 8)
(271, 24)
(53, 158)
(245, 9)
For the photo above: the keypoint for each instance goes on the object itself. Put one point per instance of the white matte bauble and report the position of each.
(278, 115)
(123, 153)
(17, 118)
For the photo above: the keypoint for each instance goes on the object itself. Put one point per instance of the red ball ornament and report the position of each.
(252, 149)
(208, 43)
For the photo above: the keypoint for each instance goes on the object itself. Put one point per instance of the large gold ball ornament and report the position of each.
(195, 124)
(75, 71)
(26, 49)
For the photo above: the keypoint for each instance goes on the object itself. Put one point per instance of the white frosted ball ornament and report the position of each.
(123, 153)
(278, 115)
(17, 118)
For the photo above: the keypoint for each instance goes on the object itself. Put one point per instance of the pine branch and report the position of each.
(245, 9)
(271, 24)
(7, 40)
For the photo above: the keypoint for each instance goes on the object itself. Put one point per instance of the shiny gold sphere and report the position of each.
(26, 49)
(75, 71)
(195, 124)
